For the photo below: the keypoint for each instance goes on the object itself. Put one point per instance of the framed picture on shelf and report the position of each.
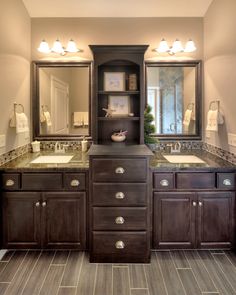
(114, 81)
(120, 105)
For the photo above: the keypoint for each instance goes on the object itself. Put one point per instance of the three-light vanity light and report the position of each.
(176, 47)
(58, 48)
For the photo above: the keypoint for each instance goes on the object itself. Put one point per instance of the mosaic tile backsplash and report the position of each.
(160, 146)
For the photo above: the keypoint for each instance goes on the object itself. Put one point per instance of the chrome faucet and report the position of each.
(176, 147)
(58, 148)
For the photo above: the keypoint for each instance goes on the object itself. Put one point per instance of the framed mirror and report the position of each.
(174, 91)
(61, 101)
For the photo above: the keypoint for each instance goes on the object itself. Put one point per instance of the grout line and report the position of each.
(129, 280)
(63, 270)
(229, 259)
(145, 275)
(95, 279)
(158, 262)
(80, 270)
(178, 274)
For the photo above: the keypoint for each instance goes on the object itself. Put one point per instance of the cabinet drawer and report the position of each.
(119, 218)
(11, 181)
(195, 180)
(116, 194)
(134, 243)
(125, 170)
(225, 180)
(163, 181)
(41, 181)
(75, 181)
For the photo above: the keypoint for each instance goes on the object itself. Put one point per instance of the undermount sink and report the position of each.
(52, 159)
(183, 159)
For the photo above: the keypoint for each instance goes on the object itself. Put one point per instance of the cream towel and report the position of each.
(47, 117)
(214, 118)
(187, 117)
(21, 123)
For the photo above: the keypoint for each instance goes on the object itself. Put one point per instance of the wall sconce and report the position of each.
(176, 47)
(58, 48)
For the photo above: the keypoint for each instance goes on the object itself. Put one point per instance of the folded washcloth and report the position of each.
(47, 117)
(214, 117)
(21, 123)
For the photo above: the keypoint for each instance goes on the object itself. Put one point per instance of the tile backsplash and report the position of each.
(4, 158)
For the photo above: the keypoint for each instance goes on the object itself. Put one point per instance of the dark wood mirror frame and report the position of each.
(36, 65)
(198, 90)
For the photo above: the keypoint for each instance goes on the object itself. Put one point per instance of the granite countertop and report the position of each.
(79, 161)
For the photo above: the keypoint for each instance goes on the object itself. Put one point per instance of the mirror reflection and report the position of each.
(64, 100)
(172, 94)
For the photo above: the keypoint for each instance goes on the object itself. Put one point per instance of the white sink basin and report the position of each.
(184, 159)
(53, 159)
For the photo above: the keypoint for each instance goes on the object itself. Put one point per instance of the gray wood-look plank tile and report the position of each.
(137, 276)
(52, 281)
(60, 257)
(66, 291)
(155, 281)
(7, 257)
(170, 275)
(232, 257)
(2, 266)
(22, 274)
(121, 281)
(179, 259)
(103, 281)
(216, 251)
(87, 277)
(227, 267)
(12, 266)
(38, 274)
(139, 292)
(3, 288)
(72, 270)
(189, 282)
(200, 272)
(222, 284)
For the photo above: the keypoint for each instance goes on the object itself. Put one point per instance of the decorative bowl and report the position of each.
(118, 138)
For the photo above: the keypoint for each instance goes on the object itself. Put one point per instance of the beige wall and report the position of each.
(87, 31)
(15, 52)
(220, 65)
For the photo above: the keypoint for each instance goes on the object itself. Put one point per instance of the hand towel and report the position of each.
(187, 117)
(21, 123)
(214, 118)
(48, 118)
(78, 119)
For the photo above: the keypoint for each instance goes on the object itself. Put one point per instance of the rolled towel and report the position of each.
(22, 124)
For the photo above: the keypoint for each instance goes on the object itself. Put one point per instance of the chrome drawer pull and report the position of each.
(119, 220)
(120, 195)
(200, 204)
(10, 182)
(120, 245)
(227, 182)
(194, 204)
(74, 182)
(164, 182)
(44, 204)
(120, 170)
(37, 204)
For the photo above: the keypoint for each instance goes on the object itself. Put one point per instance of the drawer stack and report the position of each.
(119, 210)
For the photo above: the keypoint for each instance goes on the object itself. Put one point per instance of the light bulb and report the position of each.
(57, 47)
(163, 46)
(177, 46)
(71, 47)
(190, 46)
(43, 47)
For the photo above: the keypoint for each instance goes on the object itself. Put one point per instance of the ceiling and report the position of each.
(120, 8)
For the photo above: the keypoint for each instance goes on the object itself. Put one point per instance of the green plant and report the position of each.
(149, 127)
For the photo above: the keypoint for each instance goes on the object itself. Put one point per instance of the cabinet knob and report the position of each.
(120, 195)
(10, 182)
(200, 204)
(37, 204)
(227, 182)
(119, 220)
(44, 204)
(164, 182)
(74, 182)
(194, 204)
(120, 170)
(120, 245)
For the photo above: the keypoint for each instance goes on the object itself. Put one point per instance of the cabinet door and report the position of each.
(215, 219)
(174, 220)
(21, 220)
(64, 220)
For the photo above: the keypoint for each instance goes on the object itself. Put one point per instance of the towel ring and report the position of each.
(216, 103)
(190, 106)
(44, 108)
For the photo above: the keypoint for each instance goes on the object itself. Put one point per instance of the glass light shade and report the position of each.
(177, 46)
(57, 47)
(43, 47)
(163, 46)
(71, 47)
(190, 46)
